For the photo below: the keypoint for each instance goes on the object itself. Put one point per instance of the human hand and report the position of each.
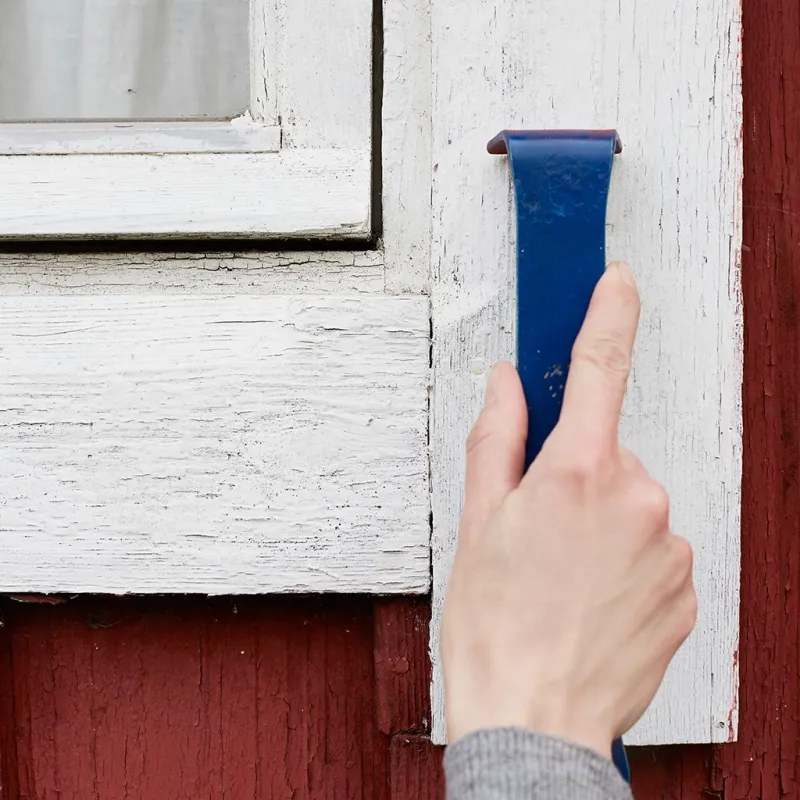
(569, 595)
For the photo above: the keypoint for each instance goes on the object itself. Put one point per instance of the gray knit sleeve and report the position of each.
(514, 764)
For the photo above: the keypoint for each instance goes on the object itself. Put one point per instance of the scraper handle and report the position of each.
(561, 182)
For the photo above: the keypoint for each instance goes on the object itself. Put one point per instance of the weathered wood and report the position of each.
(416, 769)
(402, 665)
(216, 445)
(667, 76)
(166, 272)
(9, 784)
(765, 762)
(308, 193)
(406, 144)
(264, 33)
(402, 685)
(269, 699)
(673, 773)
(324, 73)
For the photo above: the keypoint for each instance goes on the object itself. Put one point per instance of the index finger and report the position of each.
(601, 362)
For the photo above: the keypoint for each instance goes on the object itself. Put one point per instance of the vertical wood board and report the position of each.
(402, 665)
(263, 698)
(406, 144)
(668, 78)
(263, 35)
(765, 761)
(260, 698)
(323, 58)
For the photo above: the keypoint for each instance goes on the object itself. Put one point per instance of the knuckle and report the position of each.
(606, 353)
(654, 503)
(582, 466)
(688, 609)
(629, 460)
(680, 558)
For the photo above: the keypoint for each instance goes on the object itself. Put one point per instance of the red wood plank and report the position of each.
(765, 763)
(402, 665)
(416, 769)
(672, 773)
(188, 698)
(402, 686)
(9, 788)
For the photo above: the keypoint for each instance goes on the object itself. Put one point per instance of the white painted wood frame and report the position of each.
(296, 164)
(319, 363)
(667, 76)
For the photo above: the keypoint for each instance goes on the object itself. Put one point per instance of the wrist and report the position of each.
(552, 720)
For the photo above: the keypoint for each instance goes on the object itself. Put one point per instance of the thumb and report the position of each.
(495, 449)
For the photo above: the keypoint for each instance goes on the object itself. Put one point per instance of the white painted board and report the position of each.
(406, 144)
(306, 193)
(228, 444)
(241, 135)
(667, 76)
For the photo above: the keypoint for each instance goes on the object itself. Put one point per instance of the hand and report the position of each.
(569, 595)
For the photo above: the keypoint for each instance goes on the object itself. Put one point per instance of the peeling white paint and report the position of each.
(667, 77)
(214, 444)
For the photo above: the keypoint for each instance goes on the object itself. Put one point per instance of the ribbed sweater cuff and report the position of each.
(515, 764)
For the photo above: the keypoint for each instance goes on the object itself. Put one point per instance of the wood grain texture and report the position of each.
(215, 445)
(324, 73)
(765, 761)
(416, 769)
(309, 193)
(332, 272)
(264, 32)
(260, 698)
(406, 145)
(402, 665)
(402, 686)
(673, 773)
(668, 78)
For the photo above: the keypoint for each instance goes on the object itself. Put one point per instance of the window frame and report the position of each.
(272, 172)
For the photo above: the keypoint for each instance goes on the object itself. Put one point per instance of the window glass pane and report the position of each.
(123, 59)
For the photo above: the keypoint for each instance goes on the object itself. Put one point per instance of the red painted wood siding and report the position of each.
(327, 698)
(173, 698)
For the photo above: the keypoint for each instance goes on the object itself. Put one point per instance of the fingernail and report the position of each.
(623, 272)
